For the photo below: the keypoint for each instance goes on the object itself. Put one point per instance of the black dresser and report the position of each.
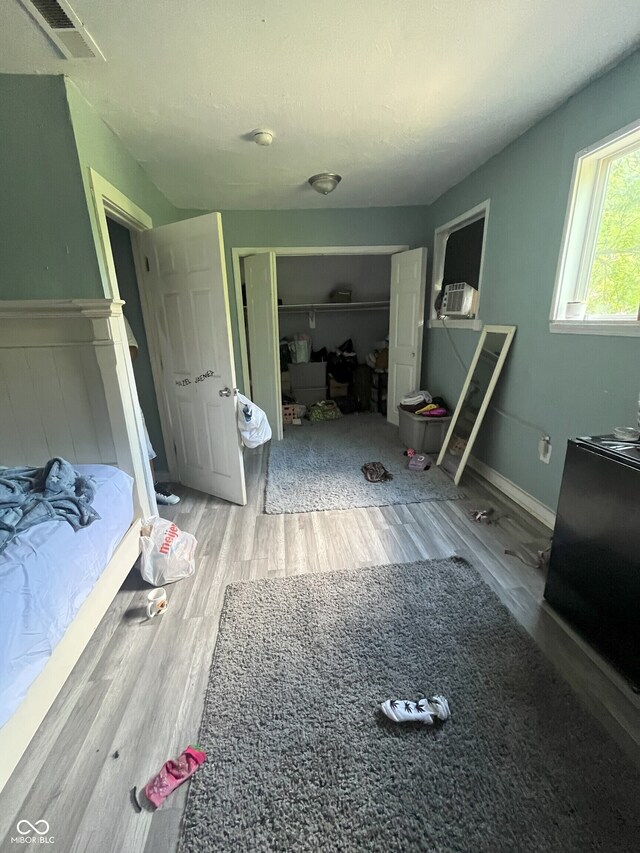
(594, 570)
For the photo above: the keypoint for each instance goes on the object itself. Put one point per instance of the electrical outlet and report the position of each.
(544, 449)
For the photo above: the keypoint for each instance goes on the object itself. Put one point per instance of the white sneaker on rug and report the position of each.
(165, 497)
(423, 711)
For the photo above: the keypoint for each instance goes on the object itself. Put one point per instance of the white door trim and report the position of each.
(407, 268)
(109, 200)
(264, 335)
(286, 251)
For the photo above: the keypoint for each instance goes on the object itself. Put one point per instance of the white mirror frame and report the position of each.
(508, 332)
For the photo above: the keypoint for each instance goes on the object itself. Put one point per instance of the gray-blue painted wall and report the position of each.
(568, 384)
(46, 246)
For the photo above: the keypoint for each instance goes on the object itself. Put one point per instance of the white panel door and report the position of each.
(406, 322)
(187, 287)
(264, 336)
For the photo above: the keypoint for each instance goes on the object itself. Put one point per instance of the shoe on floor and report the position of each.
(165, 496)
(422, 711)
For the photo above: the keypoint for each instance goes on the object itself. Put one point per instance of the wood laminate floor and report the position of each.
(135, 697)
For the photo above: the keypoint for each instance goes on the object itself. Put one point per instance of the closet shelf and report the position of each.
(334, 306)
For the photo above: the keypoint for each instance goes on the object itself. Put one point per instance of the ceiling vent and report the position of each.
(64, 28)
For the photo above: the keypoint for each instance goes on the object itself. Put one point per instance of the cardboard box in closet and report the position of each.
(338, 389)
(310, 374)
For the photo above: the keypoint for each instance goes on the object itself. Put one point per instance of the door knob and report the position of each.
(225, 392)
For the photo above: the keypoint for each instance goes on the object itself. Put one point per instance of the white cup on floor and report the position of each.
(156, 602)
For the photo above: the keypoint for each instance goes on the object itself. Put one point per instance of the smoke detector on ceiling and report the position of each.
(262, 136)
(64, 28)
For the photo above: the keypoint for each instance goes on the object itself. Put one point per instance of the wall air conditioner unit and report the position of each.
(459, 301)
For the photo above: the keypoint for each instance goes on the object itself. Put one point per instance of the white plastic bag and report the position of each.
(252, 423)
(300, 349)
(168, 553)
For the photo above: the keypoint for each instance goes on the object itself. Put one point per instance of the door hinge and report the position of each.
(146, 263)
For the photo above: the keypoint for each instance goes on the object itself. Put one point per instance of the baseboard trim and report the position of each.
(532, 505)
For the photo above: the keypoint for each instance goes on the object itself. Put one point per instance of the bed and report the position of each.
(66, 389)
(46, 575)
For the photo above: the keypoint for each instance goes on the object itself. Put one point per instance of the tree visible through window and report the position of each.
(613, 287)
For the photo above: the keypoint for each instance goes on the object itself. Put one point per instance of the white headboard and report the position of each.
(67, 388)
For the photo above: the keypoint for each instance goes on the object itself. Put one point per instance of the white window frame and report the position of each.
(580, 233)
(441, 235)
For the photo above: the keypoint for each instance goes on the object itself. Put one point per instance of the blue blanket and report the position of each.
(30, 496)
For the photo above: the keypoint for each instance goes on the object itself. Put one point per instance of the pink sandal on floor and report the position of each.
(173, 774)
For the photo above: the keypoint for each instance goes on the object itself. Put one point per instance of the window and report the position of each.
(598, 282)
(458, 257)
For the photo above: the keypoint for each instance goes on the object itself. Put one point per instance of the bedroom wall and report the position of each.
(569, 385)
(306, 279)
(311, 278)
(51, 135)
(100, 149)
(46, 250)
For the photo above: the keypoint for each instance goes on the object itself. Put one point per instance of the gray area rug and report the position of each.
(317, 466)
(298, 759)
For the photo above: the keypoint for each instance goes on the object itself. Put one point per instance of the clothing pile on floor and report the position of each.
(422, 403)
(325, 410)
(375, 472)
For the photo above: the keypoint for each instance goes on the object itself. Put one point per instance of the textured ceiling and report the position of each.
(402, 97)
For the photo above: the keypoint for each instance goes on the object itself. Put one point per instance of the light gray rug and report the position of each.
(299, 761)
(317, 466)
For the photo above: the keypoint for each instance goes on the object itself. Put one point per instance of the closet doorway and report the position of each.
(362, 294)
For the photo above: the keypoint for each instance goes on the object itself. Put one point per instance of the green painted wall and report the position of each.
(46, 249)
(100, 149)
(51, 136)
(568, 384)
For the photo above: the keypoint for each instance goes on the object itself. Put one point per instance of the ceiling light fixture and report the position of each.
(325, 182)
(262, 136)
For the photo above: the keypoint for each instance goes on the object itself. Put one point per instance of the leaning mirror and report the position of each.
(482, 378)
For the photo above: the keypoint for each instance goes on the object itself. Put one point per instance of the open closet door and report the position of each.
(264, 337)
(187, 287)
(406, 322)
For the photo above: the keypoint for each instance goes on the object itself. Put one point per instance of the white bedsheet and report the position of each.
(46, 573)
